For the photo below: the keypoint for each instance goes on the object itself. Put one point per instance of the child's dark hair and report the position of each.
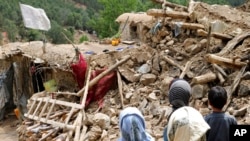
(217, 97)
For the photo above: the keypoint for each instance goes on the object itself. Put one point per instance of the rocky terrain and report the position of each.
(198, 43)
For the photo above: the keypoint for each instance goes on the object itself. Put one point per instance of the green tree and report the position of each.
(104, 22)
(56, 34)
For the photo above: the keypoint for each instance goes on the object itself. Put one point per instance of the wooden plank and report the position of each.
(233, 87)
(32, 106)
(38, 106)
(59, 102)
(69, 115)
(97, 78)
(50, 110)
(120, 87)
(52, 122)
(226, 62)
(78, 126)
(231, 44)
(44, 108)
(163, 13)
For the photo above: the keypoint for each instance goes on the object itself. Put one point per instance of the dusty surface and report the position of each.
(8, 129)
(150, 97)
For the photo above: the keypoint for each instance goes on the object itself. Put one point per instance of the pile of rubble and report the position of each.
(199, 43)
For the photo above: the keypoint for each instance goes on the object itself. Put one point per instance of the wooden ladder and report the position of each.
(46, 103)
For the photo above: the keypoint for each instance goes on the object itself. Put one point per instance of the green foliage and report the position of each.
(104, 22)
(83, 38)
(34, 35)
(63, 12)
(56, 34)
(11, 28)
(97, 15)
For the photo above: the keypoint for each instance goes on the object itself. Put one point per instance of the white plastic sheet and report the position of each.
(34, 18)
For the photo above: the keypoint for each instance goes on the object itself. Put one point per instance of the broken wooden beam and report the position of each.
(186, 68)
(97, 78)
(231, 44)
(173, 5)
(120, 87)
(203, 33)
(226, 62)
(172, 14)
(172, 62)
(185, 25)
(205, 78)
(171, 48)
(234, 86)
(218, 68)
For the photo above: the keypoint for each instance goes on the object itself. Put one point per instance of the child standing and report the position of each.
(218, 121)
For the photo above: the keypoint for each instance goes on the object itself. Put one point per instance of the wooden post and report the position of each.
(208, 77)
(120, 87)
(234, 86)
(226, 62)
(185, 69)
(208, 38)
(97, 78)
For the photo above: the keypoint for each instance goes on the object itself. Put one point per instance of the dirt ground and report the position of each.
(8, 128)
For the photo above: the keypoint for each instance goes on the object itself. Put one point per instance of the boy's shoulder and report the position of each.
(221, 115)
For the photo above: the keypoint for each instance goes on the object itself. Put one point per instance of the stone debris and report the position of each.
(182, 47)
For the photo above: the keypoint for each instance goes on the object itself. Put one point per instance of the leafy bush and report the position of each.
(83, 38)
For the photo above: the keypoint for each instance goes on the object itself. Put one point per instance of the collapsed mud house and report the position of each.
(180, 42)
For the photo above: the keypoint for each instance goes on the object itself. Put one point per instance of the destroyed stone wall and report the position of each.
(202, 58)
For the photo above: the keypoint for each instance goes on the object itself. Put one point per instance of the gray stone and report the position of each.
(130, 75)
(240, 112)
(244, 88)
(145, 68)
(197, 91)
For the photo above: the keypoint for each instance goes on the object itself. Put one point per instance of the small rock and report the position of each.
(170, 43)
(203, 43)
(240, 112)
(163, 41)
(146, 79)
(102, 120)
(165, 84)
(114, 120)
(197, 91)
(247, 120)
(205, 99)
(168, 38)
(145, 68)
(230, 110)
(244, 88)
(179, 58)
(152, 96)
(95, 133)
(189, 41)
(112, 112)
(128, 95)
